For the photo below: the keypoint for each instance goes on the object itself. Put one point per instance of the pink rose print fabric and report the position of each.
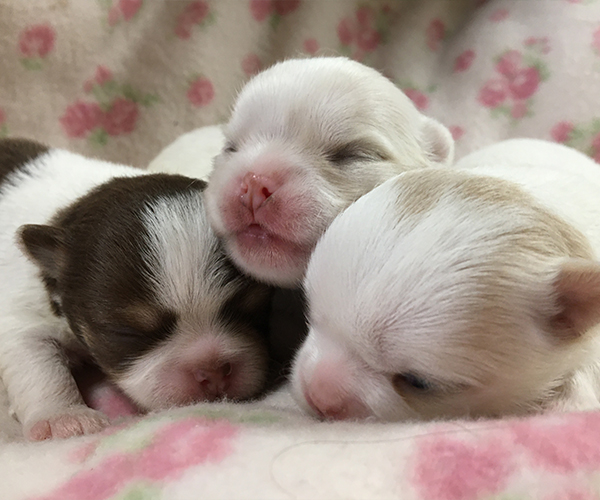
(119, 11)
(517, 77)
(251, 64)
(272, 9)
(436, 32)
(464, 60)
(582, 136)
(111, 109)
(169, 452)
(35, 44)
(448, 469)
(194, 14)
(363, 32)
(200, 92)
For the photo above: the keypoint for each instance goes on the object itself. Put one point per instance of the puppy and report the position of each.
(104, 262)
(461, 292)
(305, 139)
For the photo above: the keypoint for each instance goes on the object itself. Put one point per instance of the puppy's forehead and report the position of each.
(330, 95)
(191, 274)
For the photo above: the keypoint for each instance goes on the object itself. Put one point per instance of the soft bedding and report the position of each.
(121, 79)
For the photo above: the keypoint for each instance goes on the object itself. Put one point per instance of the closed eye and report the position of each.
(411, 381)
(353, 151)
(230, 147)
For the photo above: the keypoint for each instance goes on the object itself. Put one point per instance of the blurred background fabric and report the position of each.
(121, 79)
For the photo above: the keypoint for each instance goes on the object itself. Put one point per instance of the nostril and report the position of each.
(265, 192)
(214, 382)
(256, 189)
(226, 369)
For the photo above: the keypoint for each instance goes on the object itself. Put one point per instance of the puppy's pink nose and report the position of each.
(334, 405)
(256, 189)
(214, 382)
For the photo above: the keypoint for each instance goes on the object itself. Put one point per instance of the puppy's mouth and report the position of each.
(258, 237)
(263, 247)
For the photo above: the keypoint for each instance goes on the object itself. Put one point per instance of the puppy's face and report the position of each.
(145, 285)
(440, 295)
(307, 138)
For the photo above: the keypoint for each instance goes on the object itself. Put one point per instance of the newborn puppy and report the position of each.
(460, 292)
(105, 262)
(306, 138)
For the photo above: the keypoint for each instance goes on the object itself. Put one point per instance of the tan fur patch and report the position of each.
(420, 191)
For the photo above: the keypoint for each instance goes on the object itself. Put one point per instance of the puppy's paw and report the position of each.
(66, 423)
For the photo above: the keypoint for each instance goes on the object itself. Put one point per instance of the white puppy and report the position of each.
(307, 137)
(460, 292)
(103, 262)
(190, 154)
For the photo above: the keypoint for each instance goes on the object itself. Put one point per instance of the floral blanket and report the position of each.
(268, 450)
(121, 79)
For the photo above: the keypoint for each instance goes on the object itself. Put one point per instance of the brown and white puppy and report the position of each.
(306, 138)
(105, 262)
(472, 291)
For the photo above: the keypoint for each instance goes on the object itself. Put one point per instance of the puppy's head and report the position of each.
(306, 139)
(440, 294)
(145, 285)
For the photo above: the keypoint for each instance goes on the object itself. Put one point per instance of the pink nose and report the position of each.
(214, 382)
(335, 405)
(255, 190)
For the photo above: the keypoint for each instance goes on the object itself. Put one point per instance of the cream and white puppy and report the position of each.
(106, 263)
(472, 291)
(306, 138)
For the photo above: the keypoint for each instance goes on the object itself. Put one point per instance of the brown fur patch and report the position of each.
(16, 153)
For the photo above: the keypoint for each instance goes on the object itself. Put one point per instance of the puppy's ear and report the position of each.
(437, 141)
(45, 246)
(577, 295)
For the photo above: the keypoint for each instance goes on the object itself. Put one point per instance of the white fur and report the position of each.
(39, 385)
(395, 295)
(285, 124)
(191, 154)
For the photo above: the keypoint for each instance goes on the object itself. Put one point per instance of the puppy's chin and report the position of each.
(269, 257)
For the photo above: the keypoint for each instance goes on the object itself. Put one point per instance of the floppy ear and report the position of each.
(437, 141)
(45, 246)
(577, 295)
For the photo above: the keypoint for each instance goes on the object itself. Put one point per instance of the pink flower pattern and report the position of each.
(573, 447)
(272, 9)
(361, 33)
(35, 43)
(419, 99)
(582, 136)
(194, 14)
(447, 469)
(200, 92)
(435, 34)
(464, 60)
(596, 41)
(251, 64)
(499, 15)
(172, 449)
(311, 46)
(456, 131)
(123, 10)
(517, 78)
(113, 112)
